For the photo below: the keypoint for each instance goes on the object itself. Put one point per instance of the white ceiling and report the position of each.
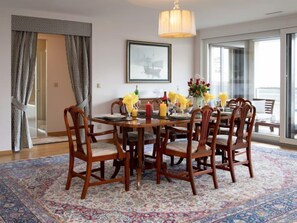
(208, 13)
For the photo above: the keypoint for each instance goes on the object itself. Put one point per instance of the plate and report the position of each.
(114, 116)
(180, 116)
(141, 112)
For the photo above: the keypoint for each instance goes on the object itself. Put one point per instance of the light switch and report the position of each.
(56, 84)
(98, 85)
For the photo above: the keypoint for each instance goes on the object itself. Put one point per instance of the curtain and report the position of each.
(24, 45)
(78, 53)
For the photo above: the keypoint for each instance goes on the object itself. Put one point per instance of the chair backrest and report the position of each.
(232, 103)
(80, 129)
(204, 118)
(269, 104)
(118, 107)
(241, 123)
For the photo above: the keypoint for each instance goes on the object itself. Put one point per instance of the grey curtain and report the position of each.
(78, 54)
(23, 54)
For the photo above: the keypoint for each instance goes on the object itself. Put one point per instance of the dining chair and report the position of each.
(191, 149)
(232, 103)
(117, 107)
(132, 141)
(87, 149)
(238, 140)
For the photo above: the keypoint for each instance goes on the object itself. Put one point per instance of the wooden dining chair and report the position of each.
(87, 149)
(191, 149)
(238, 140)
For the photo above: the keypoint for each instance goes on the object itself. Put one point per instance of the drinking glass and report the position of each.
(129, 109)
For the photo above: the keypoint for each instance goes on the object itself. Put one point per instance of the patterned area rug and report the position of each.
(33, 191)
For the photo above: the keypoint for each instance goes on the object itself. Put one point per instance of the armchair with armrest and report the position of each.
(87, 149)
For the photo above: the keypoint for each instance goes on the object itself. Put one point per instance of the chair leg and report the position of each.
(249, 158)
(87, 180)
(214, 172)
(70, 172)
(127, 173)
(231, 165)
(191, 177)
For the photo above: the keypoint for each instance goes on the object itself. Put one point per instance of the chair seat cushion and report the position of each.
(181, 146)
(101, 149)
(222, 140)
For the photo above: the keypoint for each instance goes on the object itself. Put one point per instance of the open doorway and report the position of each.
(52, 90)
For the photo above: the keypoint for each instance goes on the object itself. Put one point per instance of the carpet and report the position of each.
(33, 191)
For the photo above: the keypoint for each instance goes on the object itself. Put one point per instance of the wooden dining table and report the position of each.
(140, 124)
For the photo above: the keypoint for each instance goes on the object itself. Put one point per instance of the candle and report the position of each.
(163, 109)
(148, 110)
(134, 113)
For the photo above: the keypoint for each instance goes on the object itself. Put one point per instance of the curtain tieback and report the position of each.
(18, 104)
(83, 103)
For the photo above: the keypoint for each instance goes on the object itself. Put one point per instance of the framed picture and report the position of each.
(148, 62)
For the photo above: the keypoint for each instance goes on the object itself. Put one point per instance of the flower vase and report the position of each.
(197, 103)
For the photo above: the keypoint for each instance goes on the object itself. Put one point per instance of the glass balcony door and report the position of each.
(289, 81)
(249, 69)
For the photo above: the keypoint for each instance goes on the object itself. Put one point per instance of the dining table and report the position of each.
(140, 124)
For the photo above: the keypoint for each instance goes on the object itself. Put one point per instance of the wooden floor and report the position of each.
(62, 148)
(36, 152)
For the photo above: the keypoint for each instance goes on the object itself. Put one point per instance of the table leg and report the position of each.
(140, 150)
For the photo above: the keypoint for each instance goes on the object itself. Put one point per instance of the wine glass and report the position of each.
(129, 108)
(223, 104)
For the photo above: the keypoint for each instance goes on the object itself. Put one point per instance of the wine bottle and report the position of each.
(164, 98)
(136, 92)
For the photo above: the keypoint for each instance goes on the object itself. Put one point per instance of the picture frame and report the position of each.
(148, 62)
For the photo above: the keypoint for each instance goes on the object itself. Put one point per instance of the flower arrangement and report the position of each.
(198, 87)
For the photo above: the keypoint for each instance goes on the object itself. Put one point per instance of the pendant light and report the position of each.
(177, 23)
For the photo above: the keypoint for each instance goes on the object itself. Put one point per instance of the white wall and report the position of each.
(110, 33)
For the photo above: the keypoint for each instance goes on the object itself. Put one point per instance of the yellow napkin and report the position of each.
(172, 96)
(207, 97)
(130, 100)
(182, 100)
(223, 97)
